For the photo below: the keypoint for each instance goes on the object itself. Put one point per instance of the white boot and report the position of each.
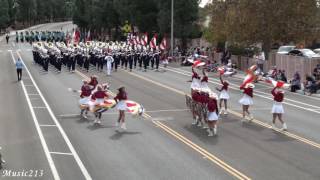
(221, 111)
(205, 126)
(215, 130)
(123, 126)
(194, 121)
(199, 124)
(225, 112)
(210, 133)
(273, 126)
(284, 127)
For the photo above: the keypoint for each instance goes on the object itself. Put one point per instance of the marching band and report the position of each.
(203, 102)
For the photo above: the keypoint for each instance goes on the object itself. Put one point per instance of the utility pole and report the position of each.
(172, 38)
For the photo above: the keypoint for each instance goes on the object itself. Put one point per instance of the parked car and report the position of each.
(285, 49)
(317, 51)
(308, 53)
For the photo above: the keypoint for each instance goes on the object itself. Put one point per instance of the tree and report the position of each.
(4, 14)
(247, 22)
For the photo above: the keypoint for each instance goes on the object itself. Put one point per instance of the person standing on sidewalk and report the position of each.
(7, 38)
(260, 59)
(19, 67)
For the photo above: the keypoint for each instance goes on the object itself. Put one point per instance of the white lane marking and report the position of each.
(41, 136)
(69, 115)
(48, 125)
(168, 110)
(61, 153)
(259, 95)
(314, 98)
(64, 135)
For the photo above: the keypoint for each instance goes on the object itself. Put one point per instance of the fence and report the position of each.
(290, 64)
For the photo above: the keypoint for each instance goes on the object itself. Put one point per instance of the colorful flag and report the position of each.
(163, 44)
(153, 42)
(144, 39)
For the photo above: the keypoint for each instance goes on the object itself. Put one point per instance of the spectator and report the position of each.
(316, 72)
(7, 38)
(260, 59)
(310, 84)
(226, 55)
(283, 76)
(296, 82)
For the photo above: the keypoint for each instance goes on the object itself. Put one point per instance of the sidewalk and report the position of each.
(241, 75)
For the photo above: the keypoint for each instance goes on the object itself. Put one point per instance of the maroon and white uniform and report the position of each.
(195, 80)
(224, 90)
(247, 96)
(99, 97)
(121, 101)
(93, 82)
(204, 83)
(85, 94)
(212, 109)
(277, 104)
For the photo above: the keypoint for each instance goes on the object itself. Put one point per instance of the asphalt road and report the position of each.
(50, 136)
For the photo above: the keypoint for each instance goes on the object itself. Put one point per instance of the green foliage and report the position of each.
(4, 13)
(267, 21)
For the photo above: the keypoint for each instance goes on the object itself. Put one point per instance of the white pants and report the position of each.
(108, 68)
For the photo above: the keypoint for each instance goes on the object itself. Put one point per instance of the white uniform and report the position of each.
(246, 100)
(212, 116)
(121, 105)
(277, 108)
(224, 94)
(109, 59)
(195, 83)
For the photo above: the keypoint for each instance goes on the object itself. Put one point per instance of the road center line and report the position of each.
(197, 148)
(259, 95)
(294, 136)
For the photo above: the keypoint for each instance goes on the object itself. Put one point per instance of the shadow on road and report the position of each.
(119, 134)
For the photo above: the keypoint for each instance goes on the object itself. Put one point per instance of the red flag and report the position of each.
(163, 44)
(249, 77)
(153, 41)
(221, 70)
(278, 84)
(138, 40)
(76, 37)
(198, 63)
(144, 39)
(88, 38)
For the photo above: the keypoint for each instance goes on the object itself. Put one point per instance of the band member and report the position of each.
(224, 96)
(195, 83)
(246, 101)
(130, 60)
(195, 98)
(99, 97)
(277, 108)
(121, 106)
(85, 97)
(212, 114)
(109, 60)
(93, 82)
(204, 81)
